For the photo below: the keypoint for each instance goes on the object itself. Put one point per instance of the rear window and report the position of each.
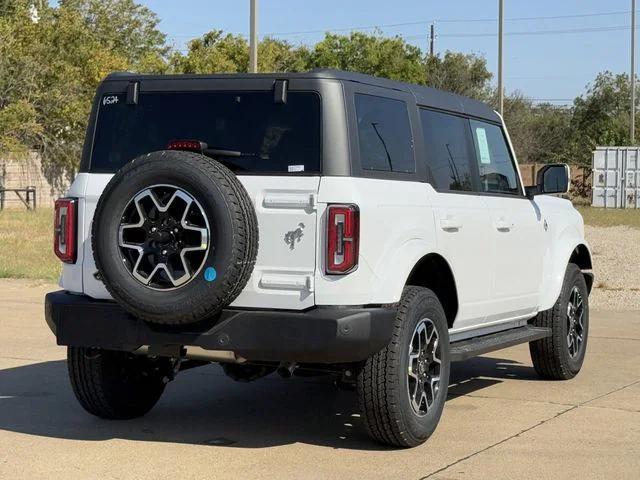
(449, 150)
(272, 137)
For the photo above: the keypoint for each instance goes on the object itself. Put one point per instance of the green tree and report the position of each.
(464, 74)
(52, 62)
(600, 116)
(281, 56)
(216, 52)
(373, 54)
(124, 27)
(551, 127)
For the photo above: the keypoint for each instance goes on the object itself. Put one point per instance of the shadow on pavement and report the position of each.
(204, 407)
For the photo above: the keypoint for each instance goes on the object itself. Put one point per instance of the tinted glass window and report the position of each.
(448, 149)
(272, 138)
(384, 134)
(495, 166)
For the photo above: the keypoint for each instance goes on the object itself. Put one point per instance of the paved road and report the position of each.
(500, 420)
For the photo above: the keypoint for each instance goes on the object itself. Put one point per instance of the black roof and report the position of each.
(425, 96)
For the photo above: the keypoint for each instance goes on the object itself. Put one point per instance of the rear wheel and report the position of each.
(560, 356)
(402, 389)
(116, 385)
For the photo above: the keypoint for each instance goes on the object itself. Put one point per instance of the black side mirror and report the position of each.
(552, 178)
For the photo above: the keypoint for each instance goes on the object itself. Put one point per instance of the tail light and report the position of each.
(64, 234)
(343, 232)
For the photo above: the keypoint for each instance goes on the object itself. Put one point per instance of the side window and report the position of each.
(495, 165)
(384, 134)
(448, 149)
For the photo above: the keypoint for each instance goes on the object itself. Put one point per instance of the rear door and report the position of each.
(277, 157)
(462, 220)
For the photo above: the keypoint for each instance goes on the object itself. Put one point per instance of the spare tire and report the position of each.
(174, 237)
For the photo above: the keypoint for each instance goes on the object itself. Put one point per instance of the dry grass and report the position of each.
(609, 217)
(26, 245)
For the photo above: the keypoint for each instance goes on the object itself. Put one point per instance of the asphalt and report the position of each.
(500, 421)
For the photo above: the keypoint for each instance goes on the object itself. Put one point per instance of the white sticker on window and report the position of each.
(296, 168)
(483, 146)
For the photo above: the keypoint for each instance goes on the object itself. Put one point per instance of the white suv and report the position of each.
(323, 221)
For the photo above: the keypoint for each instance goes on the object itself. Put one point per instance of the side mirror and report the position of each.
(552, 178)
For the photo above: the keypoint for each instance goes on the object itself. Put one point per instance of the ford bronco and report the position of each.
(326, 220)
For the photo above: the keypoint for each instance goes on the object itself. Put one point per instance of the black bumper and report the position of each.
(319, 335)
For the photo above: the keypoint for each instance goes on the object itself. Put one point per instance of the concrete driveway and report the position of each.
(500, 421)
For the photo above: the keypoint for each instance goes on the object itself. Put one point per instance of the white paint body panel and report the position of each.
(503, 275)
(283, 276)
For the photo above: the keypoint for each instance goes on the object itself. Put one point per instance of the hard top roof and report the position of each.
(425, 96)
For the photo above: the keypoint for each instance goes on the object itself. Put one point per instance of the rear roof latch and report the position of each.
(132, 93)
(280, 88)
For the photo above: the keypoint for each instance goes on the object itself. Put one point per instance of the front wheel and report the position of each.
(402, 389)
(560, 356)
(116, 385)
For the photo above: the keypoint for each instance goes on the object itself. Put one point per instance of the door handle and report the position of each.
(450, 223)
(503, 225)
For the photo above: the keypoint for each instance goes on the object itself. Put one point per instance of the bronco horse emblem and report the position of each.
(294, 236)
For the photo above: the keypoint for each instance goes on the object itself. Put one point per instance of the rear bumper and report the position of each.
(320, 335)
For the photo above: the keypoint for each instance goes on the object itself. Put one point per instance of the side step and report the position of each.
(472, 347)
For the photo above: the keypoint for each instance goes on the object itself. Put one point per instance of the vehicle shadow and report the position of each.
(202, 406)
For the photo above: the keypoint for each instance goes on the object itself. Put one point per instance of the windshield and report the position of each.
(273, 138)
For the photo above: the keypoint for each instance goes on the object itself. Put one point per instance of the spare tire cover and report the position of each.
(175, 237)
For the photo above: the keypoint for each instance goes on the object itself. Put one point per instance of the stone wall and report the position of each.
(26, 171)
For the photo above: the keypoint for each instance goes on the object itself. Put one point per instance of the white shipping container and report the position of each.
(616, 177)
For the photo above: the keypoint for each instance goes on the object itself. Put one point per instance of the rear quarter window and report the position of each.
(384, 134)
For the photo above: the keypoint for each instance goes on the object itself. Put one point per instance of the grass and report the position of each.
(609, 217)
(26, 239)
(26, 245)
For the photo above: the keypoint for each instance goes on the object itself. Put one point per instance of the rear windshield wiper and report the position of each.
(202, 147)
(225, 153)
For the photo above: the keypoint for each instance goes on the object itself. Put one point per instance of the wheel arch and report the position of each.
(432, 271)
(581, 256)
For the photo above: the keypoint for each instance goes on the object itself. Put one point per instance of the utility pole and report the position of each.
(500, 34)
(432, 40)
(632, 129)
(253, 37)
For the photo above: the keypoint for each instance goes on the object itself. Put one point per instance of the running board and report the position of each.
(472, 347)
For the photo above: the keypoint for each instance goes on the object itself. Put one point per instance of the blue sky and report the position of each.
(543, 66)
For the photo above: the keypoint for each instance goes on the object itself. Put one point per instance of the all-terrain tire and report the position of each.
(116, 385)
(382, 383)
(233, 237)
(551, 355)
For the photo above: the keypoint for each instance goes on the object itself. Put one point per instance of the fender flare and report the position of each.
(398, 268)
(556, 265)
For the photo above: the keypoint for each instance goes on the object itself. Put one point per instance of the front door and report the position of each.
(517, 226)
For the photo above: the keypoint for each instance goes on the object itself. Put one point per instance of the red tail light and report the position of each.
(187, 145)
(64, 235)
(343, 232)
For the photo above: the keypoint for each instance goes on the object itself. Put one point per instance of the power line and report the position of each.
(457, 20)
(551, 99)
(613, 28)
